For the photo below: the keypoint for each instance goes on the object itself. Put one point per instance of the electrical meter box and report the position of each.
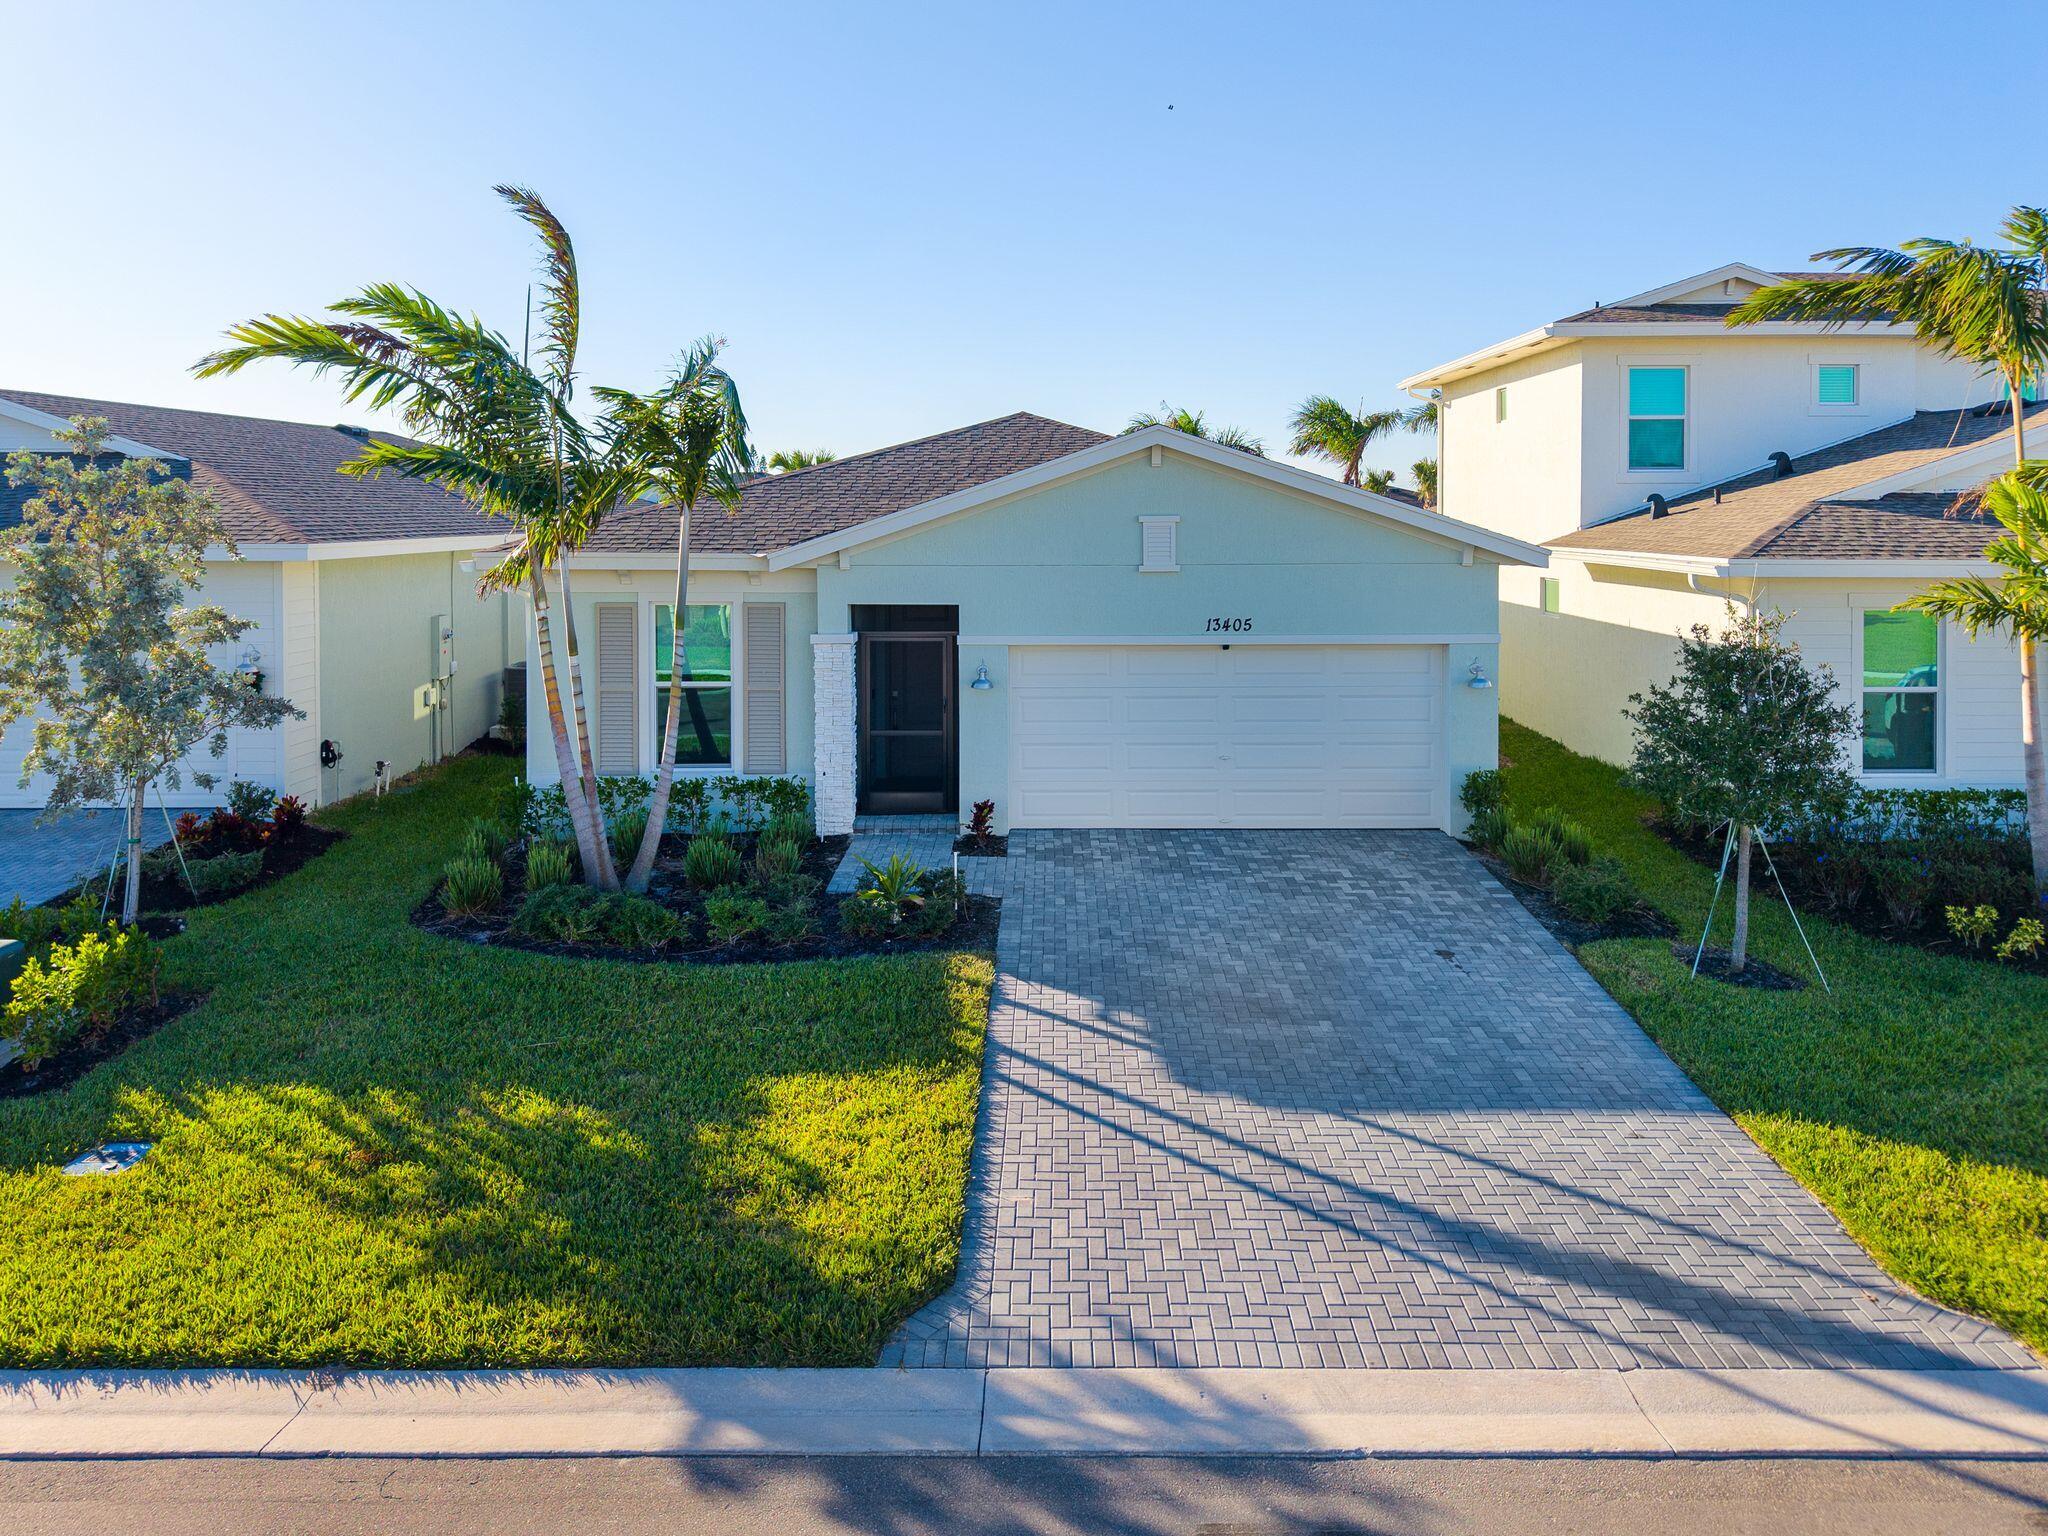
(444, 646)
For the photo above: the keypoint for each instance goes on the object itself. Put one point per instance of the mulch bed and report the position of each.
(975, 929)
(173, 895)
(88, 1051)
(1754, 973)
(982, 848)
(1643, 923)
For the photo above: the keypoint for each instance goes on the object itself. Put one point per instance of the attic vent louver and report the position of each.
(348, 431)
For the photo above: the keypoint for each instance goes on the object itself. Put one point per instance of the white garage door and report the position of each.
(1253, 736)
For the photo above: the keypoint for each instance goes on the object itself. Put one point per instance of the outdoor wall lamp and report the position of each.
(981, 683)
(1478, 677)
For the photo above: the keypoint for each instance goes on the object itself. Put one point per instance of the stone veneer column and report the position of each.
(832, 731)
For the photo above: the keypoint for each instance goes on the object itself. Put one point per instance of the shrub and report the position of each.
(34, 926)
(251, 802)
(786, 797)
(548, 863)
(944, 894)
(1573, 841)
(1973, 926)
(791, 924)
(792, 827)
(868, 914)
(729, 917)
(561, 914)
(485, 840)
(287, 818)
(900, 880)
(981, 823)
(1483, 790)
(224, 873)
(1598, 891)
(689, 799)
(791, 891)
(471, 886)
(711, 861)
(1839, 875)
(85, 985)
(624, 832)
(1902, 885)
(775, 858)
(635, 922)
(1529, 852)
(2024, 942)
(1490, 828)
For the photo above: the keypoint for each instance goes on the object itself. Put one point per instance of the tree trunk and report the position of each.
(586, 755)
(1738, 954)
(2034, 760)
(580, 823)
(131, 894)
(2019, 420)
(665, 769)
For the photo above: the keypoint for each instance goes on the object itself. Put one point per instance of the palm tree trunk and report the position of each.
(131, 893)
(1738, 954)
(2034, 760)
(665, 769)
(587, 839)
(2019, 419)
(586, 756)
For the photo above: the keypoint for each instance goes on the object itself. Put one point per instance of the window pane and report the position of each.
(1900, 650)
(1656, 445)
(1656, 391)
(1898, 732)
(707, 649)
(1836, 383)
(1550, 594)
(705, 734)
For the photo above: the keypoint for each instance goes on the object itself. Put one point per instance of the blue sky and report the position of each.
(905, 218)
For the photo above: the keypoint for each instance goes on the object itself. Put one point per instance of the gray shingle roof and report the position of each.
(1637, 314)
(1803, 515)
(275, 482)
(777, 511)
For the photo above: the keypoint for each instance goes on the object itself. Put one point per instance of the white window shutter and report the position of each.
(766, 750)
(1159, 544)
(618, 689)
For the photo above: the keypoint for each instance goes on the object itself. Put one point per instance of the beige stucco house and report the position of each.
(1670, 465)
(363, 594)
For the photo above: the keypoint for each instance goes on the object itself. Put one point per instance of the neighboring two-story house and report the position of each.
(1671, 465)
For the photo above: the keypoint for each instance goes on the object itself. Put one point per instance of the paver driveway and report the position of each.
(1259, 1098)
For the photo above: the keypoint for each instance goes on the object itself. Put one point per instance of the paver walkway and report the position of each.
(1272, 1099)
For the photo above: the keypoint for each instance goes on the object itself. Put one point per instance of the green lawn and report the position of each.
(377, 1147)
(1914, 1101)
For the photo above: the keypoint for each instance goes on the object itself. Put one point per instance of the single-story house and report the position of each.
(363, 595)
(1138, 631)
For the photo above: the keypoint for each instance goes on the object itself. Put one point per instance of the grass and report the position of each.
(378, 1147)
(1913, 1101)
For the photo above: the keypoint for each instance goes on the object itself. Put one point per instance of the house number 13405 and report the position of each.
(1227, 627)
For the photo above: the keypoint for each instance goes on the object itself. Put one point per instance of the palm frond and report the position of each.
(561, 301)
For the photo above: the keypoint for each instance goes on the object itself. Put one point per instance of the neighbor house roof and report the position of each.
(275, 482)
(1809, 513)
(777, 511)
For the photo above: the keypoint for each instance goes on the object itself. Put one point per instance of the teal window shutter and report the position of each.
(1835, 384)
(1656, 391)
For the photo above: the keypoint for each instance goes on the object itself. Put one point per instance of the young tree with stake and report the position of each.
(96, 639)
(1745, 734)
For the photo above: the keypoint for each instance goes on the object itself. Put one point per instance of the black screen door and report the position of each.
(907, 728)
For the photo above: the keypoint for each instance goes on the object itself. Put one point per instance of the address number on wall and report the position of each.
(1227, 627)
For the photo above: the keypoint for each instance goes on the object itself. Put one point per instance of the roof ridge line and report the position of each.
(912, 442)
(189, 410)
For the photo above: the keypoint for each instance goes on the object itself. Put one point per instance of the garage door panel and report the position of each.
(1194, 736)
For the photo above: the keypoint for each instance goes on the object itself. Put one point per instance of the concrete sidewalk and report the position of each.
(1002, 1412)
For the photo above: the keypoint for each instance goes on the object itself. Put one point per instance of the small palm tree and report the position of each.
(1982, 304)
(1424, 471)
(2014, 604)
(690, 441)
(1195, 424)
(783, 460)
(1325, 428)
(1378, 481)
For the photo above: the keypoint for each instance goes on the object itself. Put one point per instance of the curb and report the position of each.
(1024, 1412)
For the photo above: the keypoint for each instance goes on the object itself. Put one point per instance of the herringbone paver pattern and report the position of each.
(1269, 1098)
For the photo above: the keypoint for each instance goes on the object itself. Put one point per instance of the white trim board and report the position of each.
(28, 415)
(1719, 565)
(1131, 445)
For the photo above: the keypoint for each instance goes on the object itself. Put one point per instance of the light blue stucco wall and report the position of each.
(1062, 563)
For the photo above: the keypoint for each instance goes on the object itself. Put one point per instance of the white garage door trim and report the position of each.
(1239, 736)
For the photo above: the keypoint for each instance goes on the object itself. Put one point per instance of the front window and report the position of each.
(704, 735)
(1901, 691)
(1656, 418)
(1835, 384)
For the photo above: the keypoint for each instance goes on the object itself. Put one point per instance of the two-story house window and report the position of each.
(1656, 418)
(1835, 384)
(1901, 691)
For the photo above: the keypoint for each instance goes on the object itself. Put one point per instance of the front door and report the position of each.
(907, 726)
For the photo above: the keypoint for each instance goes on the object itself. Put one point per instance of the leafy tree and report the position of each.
(783, 460)
(1982, 304)
(1745, 733)
(1325, 428)
(1424, 471)
(691, 439)
(1195, 424)
(96, 639)
(2014, 604)
(496, 428)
